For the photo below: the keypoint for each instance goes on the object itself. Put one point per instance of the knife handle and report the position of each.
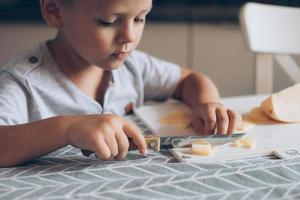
(152, 141)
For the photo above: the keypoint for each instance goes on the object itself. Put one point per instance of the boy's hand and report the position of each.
(106, 135)
(210, 118)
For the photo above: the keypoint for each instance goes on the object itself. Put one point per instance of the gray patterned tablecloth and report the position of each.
(66, 174)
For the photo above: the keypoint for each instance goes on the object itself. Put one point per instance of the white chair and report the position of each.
(272, 33)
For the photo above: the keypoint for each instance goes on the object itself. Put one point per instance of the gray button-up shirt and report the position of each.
(32, 87)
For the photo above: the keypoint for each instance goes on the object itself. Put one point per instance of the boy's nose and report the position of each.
(127, 34)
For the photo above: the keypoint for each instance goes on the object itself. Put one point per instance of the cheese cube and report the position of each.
(201, 149)
(236, 143)
(246, 142)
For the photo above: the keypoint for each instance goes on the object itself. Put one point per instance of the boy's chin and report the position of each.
(110, 66)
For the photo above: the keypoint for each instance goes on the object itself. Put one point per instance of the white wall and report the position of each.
(216, 50)
(16, 38)
(220, 53)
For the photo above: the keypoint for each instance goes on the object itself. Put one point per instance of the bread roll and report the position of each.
(284, 106)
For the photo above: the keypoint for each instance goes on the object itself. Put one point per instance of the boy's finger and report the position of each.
(102, 151)
(123, 144)
(210, 121)
(222, 120)
(234, 121)
(198, 125)
(112, 145)
(110, 140)
(133, 132)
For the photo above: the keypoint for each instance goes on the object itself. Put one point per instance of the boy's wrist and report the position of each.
(64, 124)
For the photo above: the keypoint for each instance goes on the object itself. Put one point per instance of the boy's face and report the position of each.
(104, 32)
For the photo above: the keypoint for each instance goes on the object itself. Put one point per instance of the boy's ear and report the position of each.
(51, 12)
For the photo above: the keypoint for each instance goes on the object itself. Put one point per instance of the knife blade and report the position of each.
(186, 141)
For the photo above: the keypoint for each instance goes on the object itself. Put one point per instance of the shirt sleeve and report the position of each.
(13, 101)
(160, 77)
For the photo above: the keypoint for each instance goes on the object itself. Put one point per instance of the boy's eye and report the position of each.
(115, 22)
(139, 20)
(106, 23)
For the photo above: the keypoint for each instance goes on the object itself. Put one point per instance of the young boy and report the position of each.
(74, 89)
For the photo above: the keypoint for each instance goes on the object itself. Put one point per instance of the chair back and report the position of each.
(273, 33)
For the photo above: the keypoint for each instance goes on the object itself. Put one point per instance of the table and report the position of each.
(66, 174)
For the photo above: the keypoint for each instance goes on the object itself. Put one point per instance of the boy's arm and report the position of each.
(106, 135)
(201, 94)
(194, 88)
(21, 143)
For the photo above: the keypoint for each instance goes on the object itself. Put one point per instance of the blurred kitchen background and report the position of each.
(201, 34)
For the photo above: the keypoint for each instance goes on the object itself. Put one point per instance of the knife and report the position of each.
(169, 142)
(158, 143)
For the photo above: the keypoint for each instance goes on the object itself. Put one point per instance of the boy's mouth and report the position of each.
(120, 55)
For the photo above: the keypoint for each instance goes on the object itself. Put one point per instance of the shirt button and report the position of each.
(33, 59)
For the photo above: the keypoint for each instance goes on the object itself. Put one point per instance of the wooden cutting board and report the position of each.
(269, 138)
(151, 115)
